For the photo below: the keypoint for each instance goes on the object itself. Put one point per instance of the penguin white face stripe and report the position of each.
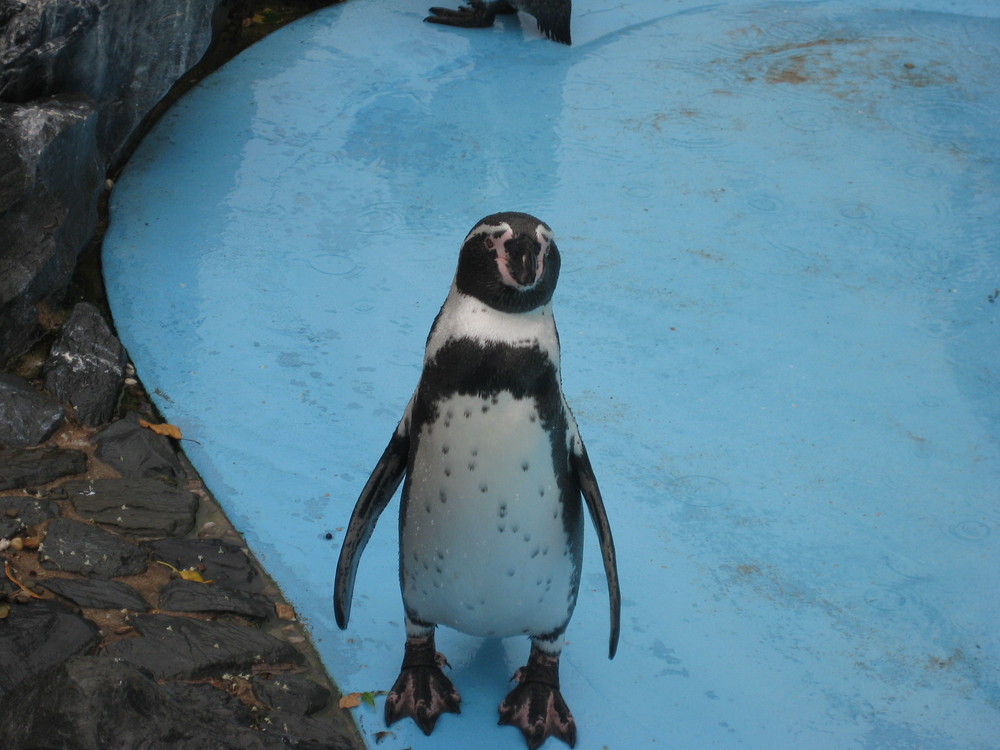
(497, 236)
(489, 229)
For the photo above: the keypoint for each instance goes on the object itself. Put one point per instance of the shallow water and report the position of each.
(779, 226)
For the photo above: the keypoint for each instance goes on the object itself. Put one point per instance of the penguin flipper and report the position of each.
(552, 16)
(375, 496)
(580, 463)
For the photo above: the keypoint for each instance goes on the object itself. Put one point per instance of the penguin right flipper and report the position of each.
(552, 16)
(476, 15)
(580, 463)
(378, 491)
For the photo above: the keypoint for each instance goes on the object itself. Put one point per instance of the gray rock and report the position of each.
(124, 55)
(293, 693)
(185, 648)
(18, 513)
(77, 547)
(37, 636)
(27, 417)
(29, 467)
(137, 507)
(307, 731)
(134, 451)
(191, 596)
(51, 182)
(95, 593)
(226, 564)
(86, 366)
(93, 703)
(213, 701)
(77, 79)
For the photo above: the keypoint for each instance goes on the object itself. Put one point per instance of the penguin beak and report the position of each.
(523, 260)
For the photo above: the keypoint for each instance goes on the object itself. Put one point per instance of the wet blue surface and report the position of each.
(779, 226)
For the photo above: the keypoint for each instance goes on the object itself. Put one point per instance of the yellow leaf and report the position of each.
(188, 575)
(162, 429)
(192, 575)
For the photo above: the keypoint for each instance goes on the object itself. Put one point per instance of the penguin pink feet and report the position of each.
(421, 691)
(536, 706)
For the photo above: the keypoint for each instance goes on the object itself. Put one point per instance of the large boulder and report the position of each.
(50, 179)
(123, 54)
(77, 80)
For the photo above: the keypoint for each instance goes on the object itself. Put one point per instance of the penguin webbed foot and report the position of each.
(535, 705)
(476, 15)
(422, 691)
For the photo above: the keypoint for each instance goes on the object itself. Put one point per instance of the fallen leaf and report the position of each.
(353, 700)
(379, 736)
(188, 575)
(162, 429)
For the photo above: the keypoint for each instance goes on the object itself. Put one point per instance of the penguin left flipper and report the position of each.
(375, 496)
(580, 463)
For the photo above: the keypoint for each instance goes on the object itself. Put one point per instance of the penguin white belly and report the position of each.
(484, 547)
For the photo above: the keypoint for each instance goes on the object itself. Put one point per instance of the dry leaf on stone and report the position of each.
(162, 429)
(188, 575)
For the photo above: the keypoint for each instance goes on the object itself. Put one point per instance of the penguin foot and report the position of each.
(421, 691)
(536, 706)
(476, 15)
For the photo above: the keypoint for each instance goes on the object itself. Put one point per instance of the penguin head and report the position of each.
(510, 262)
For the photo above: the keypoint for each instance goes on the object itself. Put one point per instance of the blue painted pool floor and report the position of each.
(778, 311)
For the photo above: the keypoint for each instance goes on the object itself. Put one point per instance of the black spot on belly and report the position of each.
(474, 452)
(483, 488)
(447, 471)
(443, 496)
(485, 408)
(524, 466)
(502, 510)
(541, 492)
(468, 413)
(445, 448)
(472, 465)
(527, 536)
(510, 572)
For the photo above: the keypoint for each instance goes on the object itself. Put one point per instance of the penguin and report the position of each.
(552, 15)
(493, 470)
